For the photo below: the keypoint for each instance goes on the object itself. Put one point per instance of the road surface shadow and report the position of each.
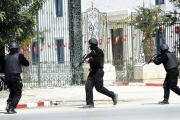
(3, 113)
(150, 104)
(159, 104)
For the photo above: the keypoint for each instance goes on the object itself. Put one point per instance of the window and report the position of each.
(157, 2)
(60, 51)
(34, 53)
(59, 8)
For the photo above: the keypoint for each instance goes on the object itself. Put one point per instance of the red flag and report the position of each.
(134, 36)
(177, 30)
(35, 49)
(124, 38)
(162, 30)
(85, 41)
(108, 40)
(42, 47)
(69, 45)
(27, 48)
(145, 33)
(49, 46)
(21, 51)
(63, 45)
(117, 39)
(100, 41)
(56, 47)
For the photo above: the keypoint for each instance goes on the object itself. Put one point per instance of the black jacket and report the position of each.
(97, 59)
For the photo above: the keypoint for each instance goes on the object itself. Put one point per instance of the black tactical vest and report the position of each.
(171, 63)
(12, 64)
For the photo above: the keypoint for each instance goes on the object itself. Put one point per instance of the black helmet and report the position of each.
(164, 47)
(93, 41)
(13, 45)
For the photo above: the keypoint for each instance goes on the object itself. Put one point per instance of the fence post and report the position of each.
(38, 50)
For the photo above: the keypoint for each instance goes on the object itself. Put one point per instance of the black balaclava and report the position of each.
(163, 51)
(13, 51)
(93, 47)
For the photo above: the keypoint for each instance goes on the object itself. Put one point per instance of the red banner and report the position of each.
(63, 45)
(100, 41)
(21, 51)
(42, 47)
(145, 33)
(108, 40)
(35, 49)
(177, 30)
(56, 47)
(134, 36)
(117, 39)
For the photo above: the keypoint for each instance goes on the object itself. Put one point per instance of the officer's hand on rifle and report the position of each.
(86, 60)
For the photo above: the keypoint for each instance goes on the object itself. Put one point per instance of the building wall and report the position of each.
(58, 29)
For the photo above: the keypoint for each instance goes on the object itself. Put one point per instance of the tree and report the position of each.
(147, 20)
(18, 19)
(175, 2)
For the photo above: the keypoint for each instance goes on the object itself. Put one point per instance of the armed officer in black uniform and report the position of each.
(171, 66)
(13, 62)
(95, 77)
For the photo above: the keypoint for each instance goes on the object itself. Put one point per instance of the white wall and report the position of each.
(58, 27)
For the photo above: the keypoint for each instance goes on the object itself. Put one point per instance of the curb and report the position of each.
(34, 105)
(137, 84)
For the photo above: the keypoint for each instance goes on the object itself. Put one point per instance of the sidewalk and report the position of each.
(74, 94)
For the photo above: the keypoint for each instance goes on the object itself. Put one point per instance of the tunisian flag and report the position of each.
(21, 51)
(117, 39)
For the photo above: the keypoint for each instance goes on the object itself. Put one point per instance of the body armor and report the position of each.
(172, 61)
(12, 64)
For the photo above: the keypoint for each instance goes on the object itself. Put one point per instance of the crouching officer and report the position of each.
(95, 77)
(13, 62)
(171, 66)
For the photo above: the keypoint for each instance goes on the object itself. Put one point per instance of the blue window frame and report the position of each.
(60, 51)
(157, 2)
(59, 8)
(34, 55)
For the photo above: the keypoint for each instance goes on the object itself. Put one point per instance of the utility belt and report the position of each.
(95, 69)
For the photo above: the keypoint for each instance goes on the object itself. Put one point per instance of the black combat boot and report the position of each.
(165, 101)
(7, 107)
(115, 99)
(88, 106)
(11, 110)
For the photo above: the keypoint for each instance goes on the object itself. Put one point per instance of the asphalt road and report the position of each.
(143, 111)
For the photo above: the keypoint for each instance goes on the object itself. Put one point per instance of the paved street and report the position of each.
(143, 111)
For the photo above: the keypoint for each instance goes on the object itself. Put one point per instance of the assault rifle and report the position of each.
(151, 59)
(92, 53)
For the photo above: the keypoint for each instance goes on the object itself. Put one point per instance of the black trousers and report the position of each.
(95, 78)
(170, 82)
(15, 85)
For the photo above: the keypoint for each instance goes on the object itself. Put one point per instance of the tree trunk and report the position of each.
(26, 70)
(149, 48)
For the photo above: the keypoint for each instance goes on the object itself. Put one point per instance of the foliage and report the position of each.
(175, 2)
(18, 19)
(147, 19)
(29, 41)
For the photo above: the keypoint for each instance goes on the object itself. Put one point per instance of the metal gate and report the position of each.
(56, 54)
